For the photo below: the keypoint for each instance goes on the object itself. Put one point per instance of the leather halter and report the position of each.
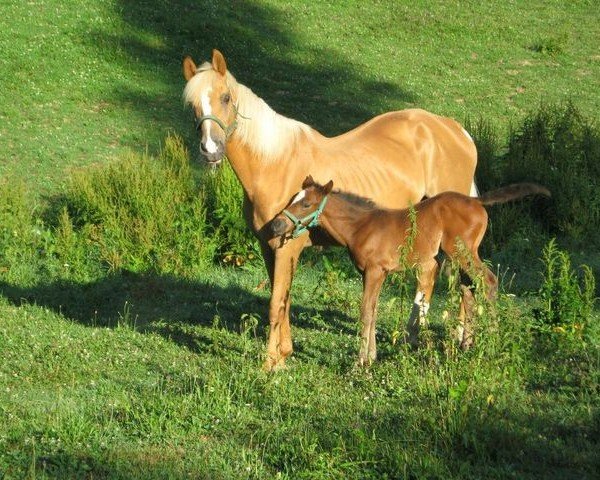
(228, 129)
(302, 225)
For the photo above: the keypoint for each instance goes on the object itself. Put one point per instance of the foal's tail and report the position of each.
(513, 192)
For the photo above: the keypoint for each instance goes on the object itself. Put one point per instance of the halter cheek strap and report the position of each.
(302, 225)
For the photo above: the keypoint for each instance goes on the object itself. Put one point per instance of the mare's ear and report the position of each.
(218, 62)
(308, 181)
(328, 186)
(189, 68)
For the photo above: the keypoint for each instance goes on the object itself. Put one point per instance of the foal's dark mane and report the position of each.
(363, 203)
(356, 200)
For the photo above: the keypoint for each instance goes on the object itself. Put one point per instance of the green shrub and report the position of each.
(225, 198)
(488, 174)
(558, 148)
(142, 213)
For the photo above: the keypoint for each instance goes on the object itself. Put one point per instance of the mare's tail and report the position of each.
(512, 192)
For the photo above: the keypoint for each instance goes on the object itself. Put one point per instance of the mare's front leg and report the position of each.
(372, 281)
(279, 344)
(426, 281)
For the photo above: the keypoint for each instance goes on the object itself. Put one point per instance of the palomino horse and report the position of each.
(383, 240)
(396, 159)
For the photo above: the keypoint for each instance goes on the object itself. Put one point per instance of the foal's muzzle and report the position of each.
(279, 226)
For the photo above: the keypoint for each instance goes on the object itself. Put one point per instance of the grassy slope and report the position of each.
(183, 396)
(84, 80)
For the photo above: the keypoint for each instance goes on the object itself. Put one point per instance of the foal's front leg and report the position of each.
(373, 278)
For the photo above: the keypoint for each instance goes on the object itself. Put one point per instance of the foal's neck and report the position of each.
(343, 218)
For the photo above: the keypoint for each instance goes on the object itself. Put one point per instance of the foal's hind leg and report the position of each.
(465, 333)
(426, 281)
(372, 281)
(464, 330)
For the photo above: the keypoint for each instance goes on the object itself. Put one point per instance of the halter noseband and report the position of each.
(308, 222)
(228, 129)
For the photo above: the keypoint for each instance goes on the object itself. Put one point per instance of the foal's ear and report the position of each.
(328, 186)
(308, 181)
(189, 68)
(218, 62)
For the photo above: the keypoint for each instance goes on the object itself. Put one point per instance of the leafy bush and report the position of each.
(225, 197)
(142, 213)
(558, 148)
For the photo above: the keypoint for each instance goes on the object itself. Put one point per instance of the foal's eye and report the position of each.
(305, 204)
(225, 98)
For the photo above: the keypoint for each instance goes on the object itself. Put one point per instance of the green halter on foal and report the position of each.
(308, 222)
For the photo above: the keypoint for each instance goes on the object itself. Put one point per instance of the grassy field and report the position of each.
(130, 350)
(85, 80)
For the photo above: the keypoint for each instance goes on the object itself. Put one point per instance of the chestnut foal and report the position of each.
(377, 238)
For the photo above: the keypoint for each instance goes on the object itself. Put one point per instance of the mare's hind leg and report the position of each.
(426, 281)
(372, 281)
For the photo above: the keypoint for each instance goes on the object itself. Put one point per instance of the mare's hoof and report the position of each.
(269, 365)
(272, 365)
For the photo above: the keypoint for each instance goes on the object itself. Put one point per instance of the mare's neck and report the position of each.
(269, 154)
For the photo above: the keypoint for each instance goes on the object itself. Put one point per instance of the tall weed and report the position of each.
(567, 297)
(25, 241)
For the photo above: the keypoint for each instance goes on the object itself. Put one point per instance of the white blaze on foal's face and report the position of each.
(299, 196)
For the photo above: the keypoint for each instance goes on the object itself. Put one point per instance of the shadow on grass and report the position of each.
(309, 83)
(184, 311)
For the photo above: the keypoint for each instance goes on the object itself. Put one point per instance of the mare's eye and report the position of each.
(305, 204)
(225, 98)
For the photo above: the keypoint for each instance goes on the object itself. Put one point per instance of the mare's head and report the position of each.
(303, 211)
(209, 92)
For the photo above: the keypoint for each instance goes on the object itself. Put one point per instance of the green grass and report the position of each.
(127, 352)
(173, 389)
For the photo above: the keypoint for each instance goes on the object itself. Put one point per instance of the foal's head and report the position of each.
(304, 209)
(208, 91)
